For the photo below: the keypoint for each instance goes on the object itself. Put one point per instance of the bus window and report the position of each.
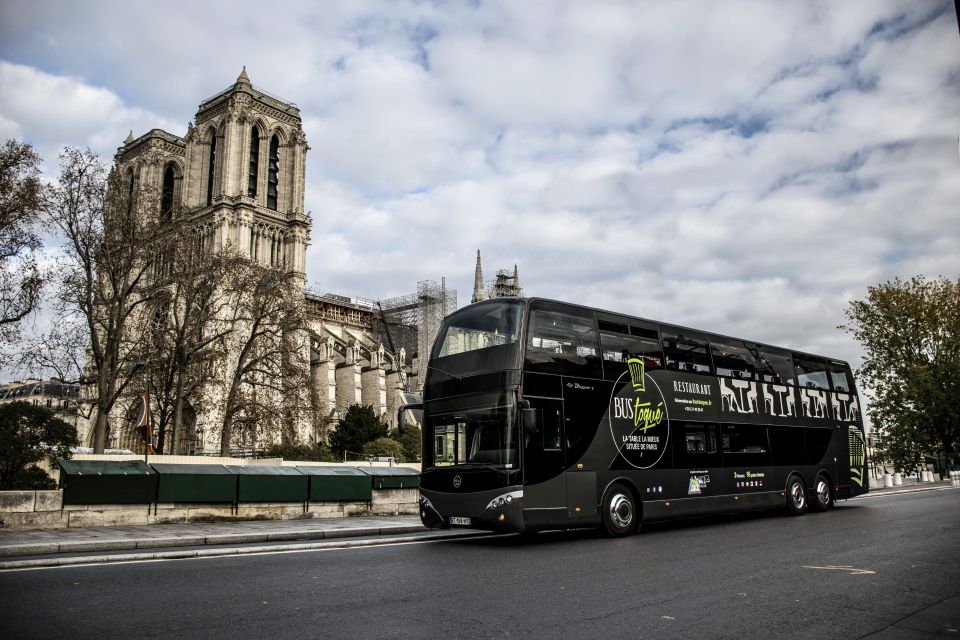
(840, 377)
(744, 444)
(788, 445)
(449, 444)
(811, 372)
(818, 441)
(620, 342)
(696, 446)
(775, 366)
(732, 358)
(562, 343)
(686, 352)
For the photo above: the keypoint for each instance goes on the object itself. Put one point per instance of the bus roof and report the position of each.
(530, 300)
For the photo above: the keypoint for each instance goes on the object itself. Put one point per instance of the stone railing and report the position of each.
(45, 510)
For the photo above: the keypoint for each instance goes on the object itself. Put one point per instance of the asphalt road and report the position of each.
(749, 576)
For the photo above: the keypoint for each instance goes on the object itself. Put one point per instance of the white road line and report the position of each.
(235, 552)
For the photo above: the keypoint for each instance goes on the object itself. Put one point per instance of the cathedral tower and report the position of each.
(239, 173)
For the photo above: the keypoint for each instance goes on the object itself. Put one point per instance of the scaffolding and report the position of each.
(506, 285)
(424, 310)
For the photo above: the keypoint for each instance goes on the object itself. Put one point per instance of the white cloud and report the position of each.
(747, 167)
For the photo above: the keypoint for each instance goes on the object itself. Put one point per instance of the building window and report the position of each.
(254, 164)
(211, 165)
(166, 195)
(129, 191)
(273, 174)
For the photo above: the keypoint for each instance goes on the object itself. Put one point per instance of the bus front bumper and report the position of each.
(496, 510)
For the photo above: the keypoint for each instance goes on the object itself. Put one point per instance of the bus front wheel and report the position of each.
(796, 496)
(619, 511)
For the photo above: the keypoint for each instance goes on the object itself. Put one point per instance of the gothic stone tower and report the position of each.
(238, 176)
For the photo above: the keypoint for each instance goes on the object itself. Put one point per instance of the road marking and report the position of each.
(843, 567)
(235, 552)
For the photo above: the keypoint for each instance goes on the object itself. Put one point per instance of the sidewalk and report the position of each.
(910, 485)
(23, 548)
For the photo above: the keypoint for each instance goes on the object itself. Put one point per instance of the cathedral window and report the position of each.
(129, 191)
(273, 175)
(211, 164)
(166, 195)
(254, 164)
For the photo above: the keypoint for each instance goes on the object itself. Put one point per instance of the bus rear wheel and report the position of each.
(619, 511)
(796, 496)
(823, 493)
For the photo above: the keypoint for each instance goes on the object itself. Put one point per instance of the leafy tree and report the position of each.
(358, 426)
(384, 447)
(910, 331)
(21, 204)
(410, 440)
(27, 433)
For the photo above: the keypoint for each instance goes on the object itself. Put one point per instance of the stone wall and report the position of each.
(45, 510)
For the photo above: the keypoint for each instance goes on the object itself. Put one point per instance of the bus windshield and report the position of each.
(481, 337)
(480, 435)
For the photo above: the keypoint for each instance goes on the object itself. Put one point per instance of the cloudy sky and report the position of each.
(743, 167)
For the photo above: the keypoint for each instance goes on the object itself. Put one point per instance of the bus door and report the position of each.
(543, 460)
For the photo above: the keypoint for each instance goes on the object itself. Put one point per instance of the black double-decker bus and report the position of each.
(541, 415)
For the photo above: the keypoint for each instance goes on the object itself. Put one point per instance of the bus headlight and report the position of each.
(506, 498)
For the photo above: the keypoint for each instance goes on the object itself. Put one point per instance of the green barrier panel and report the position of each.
(195, 483)
(337, 484)
(393, 477)
(270, 484)
(107, 482)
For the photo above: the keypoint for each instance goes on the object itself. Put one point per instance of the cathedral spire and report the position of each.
(516, 280)
(479, 292)
(129, 138)
(243, 78)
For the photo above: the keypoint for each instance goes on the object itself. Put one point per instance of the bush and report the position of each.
(315, 452)
(30, 479)
(384, 447)
(359, 426)
(28, 433)
(410, 441)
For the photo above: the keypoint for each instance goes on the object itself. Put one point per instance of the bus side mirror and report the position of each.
(529, 417)
(402, 412)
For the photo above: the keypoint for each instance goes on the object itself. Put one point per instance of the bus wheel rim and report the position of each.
(823, 491)
(621, 511)
(796, 493)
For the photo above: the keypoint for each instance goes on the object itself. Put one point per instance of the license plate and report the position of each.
(459, 521)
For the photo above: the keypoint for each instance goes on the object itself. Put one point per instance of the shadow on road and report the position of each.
(648, 528)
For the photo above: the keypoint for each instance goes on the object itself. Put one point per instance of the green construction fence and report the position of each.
(257, 483)
(107, 482)
(195, 483)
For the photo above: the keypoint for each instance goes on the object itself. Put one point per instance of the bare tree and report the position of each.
(265, 378)
(21, 204)
(61, 353)
(112, 240)
(185, 333)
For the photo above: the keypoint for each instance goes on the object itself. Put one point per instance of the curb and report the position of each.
(896, 492)
(43, 548)
(40, 563)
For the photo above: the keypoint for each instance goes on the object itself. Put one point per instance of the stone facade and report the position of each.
(238, 175)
